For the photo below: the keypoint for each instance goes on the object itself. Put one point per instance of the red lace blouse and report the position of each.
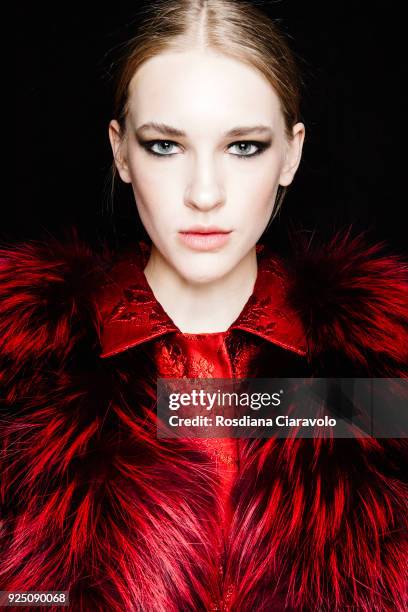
(263, 337)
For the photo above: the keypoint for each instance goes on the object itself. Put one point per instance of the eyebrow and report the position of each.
(172, 131)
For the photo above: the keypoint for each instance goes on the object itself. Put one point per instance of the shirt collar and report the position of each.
(132, 315)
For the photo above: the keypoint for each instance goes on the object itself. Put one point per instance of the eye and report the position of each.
(244, 145)
(164, 146)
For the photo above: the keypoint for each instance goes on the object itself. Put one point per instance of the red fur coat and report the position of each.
(94, 503)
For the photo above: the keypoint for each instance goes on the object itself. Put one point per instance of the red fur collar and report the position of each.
(93, 502)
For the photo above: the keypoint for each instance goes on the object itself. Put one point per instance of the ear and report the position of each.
(118, 148)
(293, 154)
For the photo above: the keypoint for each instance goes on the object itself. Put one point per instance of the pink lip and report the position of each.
(200, 241)
(205, 229)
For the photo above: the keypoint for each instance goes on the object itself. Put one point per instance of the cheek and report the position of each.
(258, 177)
(156, 214)
(154, 188)
(254, 218)
(256, 193)
(146, 186)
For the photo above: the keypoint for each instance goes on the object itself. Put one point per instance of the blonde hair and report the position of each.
(235, 28)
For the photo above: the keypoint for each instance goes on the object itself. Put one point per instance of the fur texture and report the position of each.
(92, 502)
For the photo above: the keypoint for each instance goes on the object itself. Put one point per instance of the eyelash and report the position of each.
(147, 144)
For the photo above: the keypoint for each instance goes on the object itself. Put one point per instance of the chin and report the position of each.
(201, 279)
(204, 274)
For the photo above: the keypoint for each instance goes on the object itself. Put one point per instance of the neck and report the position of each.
(202, 308)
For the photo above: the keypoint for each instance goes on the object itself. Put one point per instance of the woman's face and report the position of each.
(204, 145)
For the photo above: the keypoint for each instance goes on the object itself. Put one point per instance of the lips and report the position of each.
(199, 238)
(201, 229)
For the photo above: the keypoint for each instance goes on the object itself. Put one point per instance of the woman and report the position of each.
(207, 132)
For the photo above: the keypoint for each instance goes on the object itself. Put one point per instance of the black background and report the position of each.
(352, 57)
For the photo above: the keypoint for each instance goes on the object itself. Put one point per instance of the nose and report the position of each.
(204, 191)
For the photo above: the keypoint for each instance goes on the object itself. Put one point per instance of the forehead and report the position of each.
(200, 89)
